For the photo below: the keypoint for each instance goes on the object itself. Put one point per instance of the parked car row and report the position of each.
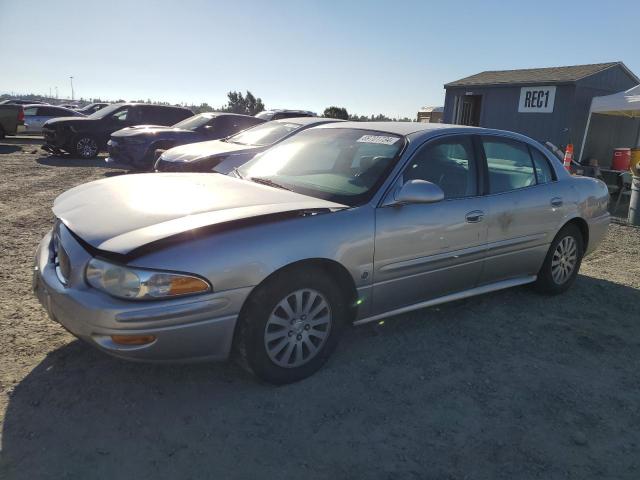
(331, 223)
(87, 136)
(28, 117)
(224, 155)
(136, 147)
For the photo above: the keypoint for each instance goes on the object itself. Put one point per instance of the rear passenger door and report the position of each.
(525, 208)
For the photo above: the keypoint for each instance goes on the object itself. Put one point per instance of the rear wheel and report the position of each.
(291, 325)
(86, 147)
(562, 263)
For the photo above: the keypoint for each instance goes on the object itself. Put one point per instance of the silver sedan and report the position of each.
(344, 223)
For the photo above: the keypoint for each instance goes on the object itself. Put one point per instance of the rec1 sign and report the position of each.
(537, 99)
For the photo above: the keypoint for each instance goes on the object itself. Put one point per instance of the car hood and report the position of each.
(197, 151)
(71, 121)
(150, 130)
(126, 212)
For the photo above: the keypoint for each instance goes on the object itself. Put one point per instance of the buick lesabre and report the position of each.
(344, 223)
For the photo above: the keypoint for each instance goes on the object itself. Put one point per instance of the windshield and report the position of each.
(342, 165)
(106, 111)
(195, 122)
(264, 134)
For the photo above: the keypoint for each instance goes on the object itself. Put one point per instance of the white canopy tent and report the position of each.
(624, 104)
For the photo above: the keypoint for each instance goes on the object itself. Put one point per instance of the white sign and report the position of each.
(537, 99)
(378, 139)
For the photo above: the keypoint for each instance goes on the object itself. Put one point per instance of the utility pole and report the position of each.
(56, 92)
(71, 78)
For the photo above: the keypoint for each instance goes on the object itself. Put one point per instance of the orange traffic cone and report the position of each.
(568, 157)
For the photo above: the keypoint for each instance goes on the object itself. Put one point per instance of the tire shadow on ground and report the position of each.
(6, 149)
(533, 383)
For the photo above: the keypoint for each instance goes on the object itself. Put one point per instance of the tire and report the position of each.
(279, 347)
(2, 134)
(85, 146)
(562, 263)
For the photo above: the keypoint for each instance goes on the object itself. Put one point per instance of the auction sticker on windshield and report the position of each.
(378, 139)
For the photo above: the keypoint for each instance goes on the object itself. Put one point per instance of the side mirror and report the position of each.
(418, 191)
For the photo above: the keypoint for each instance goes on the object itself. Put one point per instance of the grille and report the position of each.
(61, 260)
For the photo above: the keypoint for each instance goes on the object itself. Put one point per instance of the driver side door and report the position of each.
(425, 251)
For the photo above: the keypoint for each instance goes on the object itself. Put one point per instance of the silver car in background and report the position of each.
(344, 223)
(35, 116)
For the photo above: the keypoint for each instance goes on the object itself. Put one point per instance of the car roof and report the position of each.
(43, 105)
(138, 104)
(286, 110)
(307, 120)
(418, 130)
(398, 128)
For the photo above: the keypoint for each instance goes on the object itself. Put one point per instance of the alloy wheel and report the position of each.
(297, 328)
(87, 147)
(565, 258)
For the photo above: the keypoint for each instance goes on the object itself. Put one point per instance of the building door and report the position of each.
(469, 110)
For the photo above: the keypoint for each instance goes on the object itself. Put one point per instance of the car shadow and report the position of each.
(69, 161)
(6, 149)
(497, 385)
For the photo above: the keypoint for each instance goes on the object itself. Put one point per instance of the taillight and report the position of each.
(21, 115)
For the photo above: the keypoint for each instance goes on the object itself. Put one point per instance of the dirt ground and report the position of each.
(510, 385)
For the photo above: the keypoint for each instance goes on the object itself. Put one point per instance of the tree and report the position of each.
(336, 112)
(248, 105)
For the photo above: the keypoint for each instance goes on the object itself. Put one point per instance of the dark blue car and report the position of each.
(136, 147)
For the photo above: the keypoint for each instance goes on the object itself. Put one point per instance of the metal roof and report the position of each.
(537, 75)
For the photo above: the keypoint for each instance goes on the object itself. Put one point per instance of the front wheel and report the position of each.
(86, 147)
(291, 325)
(560, 267)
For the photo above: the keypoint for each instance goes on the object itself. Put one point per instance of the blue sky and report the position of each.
(386, 57)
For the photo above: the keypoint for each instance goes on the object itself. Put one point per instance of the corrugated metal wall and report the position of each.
(567, 122)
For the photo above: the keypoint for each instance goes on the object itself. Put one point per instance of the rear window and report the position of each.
(265, 134)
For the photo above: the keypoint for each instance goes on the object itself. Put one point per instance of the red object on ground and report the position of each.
(621, 159)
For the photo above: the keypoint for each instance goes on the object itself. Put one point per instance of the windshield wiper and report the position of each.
(237, 173)
(270, 183)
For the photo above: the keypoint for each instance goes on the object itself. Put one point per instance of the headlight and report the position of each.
(141, 284)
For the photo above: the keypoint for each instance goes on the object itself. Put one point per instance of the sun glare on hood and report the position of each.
(176, 198)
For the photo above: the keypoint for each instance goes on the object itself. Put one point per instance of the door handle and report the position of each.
(556, 202)
(474, 216)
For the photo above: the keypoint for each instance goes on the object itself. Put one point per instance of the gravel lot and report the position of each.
(510, 385)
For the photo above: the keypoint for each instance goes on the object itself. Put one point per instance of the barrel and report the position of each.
(621, 159)
(635, 162)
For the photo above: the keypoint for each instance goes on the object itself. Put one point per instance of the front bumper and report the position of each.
(187, 329)
(126, 154)
(54, 141)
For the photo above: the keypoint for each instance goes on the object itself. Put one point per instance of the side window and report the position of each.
(53, 112)
(122, 115)
(449, 163)
(171, 116)
(509, 164)
(30, 112)
(544, 172)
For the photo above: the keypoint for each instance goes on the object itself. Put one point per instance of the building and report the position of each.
(547, 104)
(430, 114)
